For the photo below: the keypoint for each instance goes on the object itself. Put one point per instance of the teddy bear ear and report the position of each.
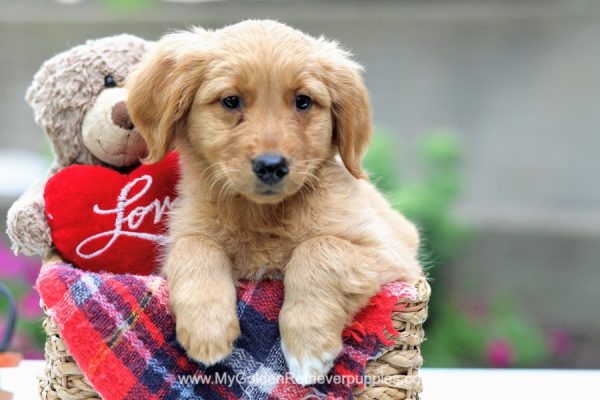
(53, 83)
(162, 87)
(67, 84)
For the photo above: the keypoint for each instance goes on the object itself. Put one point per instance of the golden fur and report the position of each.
(327, 230)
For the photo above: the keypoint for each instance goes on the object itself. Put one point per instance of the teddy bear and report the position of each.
(79, 102)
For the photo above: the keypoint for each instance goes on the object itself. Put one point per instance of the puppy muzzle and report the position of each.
(270, 169)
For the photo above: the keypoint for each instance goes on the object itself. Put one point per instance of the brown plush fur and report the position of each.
(329, 232)
(73, 107)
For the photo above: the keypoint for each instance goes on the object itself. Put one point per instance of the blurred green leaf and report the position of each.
(454, 339)
(441, 148)
(379, 161)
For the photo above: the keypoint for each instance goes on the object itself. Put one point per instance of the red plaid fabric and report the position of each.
(119, 330)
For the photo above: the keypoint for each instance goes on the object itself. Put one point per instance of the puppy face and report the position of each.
(261, 105)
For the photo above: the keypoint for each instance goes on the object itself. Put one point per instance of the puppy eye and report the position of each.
(109, 81)
(231, 102)
(303, 102)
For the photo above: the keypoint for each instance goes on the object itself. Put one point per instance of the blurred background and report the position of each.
(488, 136)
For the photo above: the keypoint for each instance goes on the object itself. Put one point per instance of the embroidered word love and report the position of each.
(126, 224)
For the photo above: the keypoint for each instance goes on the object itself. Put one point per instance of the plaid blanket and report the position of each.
(119, 330)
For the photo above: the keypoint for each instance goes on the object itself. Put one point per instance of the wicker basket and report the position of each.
(392, 376)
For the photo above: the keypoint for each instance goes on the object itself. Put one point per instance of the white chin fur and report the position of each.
(108, 142)
(310, 369)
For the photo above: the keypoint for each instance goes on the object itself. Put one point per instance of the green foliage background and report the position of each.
(455, 336)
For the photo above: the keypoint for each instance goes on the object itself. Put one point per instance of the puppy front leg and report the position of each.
(202, 297)
(327, 281)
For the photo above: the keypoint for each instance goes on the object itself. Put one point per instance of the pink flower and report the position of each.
(500, 353)
(9, 267)
(17, 267)
(33, 354)
(29, 305)
(476, 309)
(560, 343)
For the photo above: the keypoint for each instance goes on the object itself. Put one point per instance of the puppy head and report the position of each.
(260, 105)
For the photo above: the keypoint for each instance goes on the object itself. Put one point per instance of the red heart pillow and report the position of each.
(102, 220)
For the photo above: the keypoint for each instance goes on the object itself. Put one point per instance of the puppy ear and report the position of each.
(162, 89)
(350, 108)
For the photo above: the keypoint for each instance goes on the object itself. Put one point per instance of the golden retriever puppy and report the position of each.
(271, 125)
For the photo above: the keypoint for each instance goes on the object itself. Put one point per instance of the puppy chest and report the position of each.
(259, 256)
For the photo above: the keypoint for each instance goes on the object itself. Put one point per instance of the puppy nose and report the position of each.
(270, 168)
(120, 116)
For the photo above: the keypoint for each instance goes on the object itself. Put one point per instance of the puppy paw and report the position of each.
(208, 335)
(308, 369)
(309, 349)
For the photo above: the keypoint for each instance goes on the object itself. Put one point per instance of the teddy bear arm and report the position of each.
(27, 227)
